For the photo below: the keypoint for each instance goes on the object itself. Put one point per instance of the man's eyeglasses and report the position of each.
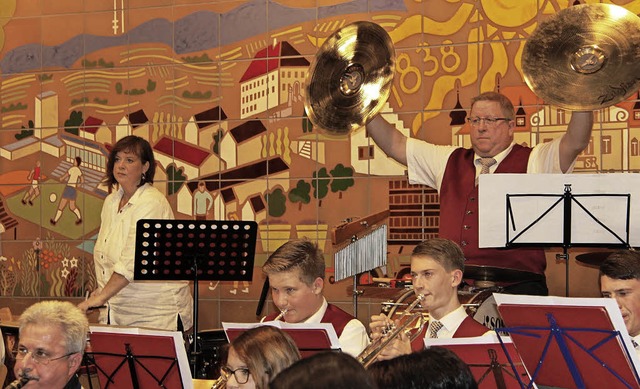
(40, 357)
(241, 374)
(476, 121)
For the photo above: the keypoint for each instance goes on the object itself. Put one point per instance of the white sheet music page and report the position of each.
(599, 204)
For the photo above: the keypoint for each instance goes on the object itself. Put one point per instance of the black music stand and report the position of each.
(139, 359)
(566, 200)
(569, 342)
(200, 250)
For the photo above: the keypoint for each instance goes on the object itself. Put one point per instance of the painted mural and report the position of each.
(217, 87)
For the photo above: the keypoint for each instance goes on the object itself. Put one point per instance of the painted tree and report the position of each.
(276, 202)
(342, 179)
(320, 184)
(300, 194)
(72, 124)
(176, 178)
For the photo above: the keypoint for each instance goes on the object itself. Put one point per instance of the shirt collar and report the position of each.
(451, 320)
(498, 157)
(137, 194)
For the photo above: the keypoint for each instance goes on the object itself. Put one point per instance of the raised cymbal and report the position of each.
(350, 78)
(498, 274)
(585, 57)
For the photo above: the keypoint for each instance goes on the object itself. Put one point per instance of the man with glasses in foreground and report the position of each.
(53, 335)
(453, 172)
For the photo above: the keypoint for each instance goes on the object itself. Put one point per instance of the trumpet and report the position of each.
(409, 319)
(221, 382)
(281, 315)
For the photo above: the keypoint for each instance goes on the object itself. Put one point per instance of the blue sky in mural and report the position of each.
(195, 32)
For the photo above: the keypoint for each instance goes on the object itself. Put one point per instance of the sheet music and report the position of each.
(608, 304)
(474, 351)
(326, 327)
(615, 192)
(178, 342)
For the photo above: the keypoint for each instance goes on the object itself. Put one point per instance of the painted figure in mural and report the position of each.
(70, 193)
(164, 305)
(257, 356)
(202, 201)
(437, 266)
(620, 280)
(296, 272)
(53, 336)
(453, 172)
(34, 190)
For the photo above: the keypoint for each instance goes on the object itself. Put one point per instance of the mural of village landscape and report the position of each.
(217, 87)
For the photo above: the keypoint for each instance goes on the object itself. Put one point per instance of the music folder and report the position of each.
(310, 338)
(571, 342)
(129, 357)
(488, 360)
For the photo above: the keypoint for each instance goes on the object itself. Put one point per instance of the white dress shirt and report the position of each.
(152, 304)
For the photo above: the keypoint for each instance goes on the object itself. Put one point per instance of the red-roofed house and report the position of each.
(96, 130)
(194, 161)
(270, 76)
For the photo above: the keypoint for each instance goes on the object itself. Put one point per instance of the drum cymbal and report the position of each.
(585, 57)
(595, 258)
(499, 274)
(350, 78)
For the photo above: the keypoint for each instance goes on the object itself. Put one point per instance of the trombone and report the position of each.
(408, 320)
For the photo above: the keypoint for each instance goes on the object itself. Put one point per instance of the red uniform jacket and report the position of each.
(468, 329)
(459, 212)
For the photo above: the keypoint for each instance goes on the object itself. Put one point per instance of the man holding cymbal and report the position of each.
(453, 172)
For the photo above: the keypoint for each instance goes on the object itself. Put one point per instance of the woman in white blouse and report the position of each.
(163, 304)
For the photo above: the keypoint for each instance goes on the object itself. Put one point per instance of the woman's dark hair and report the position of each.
(138, 146)
(326, 370)
(431, 368)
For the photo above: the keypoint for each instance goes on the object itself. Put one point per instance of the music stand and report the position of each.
(567, 342)
(487, 360)
(311, 338)
(139, 359)
(201, 250)
(532, 218)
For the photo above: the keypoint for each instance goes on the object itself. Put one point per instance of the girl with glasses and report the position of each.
(257, 356)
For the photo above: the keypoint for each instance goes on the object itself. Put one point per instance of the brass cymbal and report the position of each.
(585, 57)
(594, 258)
(350, 78)
(499, 274)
